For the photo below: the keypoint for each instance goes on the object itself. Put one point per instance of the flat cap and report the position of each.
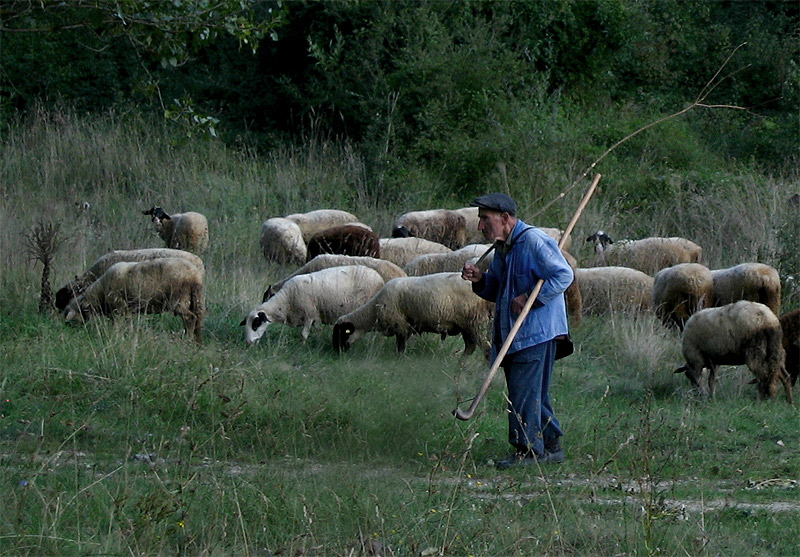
(496, 202)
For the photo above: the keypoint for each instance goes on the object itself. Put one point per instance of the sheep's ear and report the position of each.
(243, 322)
(149, 211)
(682, 369)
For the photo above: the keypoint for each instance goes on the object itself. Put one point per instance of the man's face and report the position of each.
(493, 224)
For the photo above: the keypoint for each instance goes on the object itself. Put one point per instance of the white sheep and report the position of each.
(444, 226)
(282, 241)
(186, 231)
(756, 282)
(318, 297)
(402, 250)
(316, 221)
(76, 286)
(743, 333)
(386, 269)
(648, 255)
(441, 303)
(445, 262)
(679, 291)
(170, 284)
(614, 289)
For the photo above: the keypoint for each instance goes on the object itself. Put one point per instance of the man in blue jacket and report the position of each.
(523, 255)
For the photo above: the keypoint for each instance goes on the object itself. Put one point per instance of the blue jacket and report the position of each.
(531, 255)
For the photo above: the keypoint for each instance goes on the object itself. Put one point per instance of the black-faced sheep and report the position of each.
(169, 284)
(648, 255)
(321, 219)
(386, 269)
(318, 297)
(402, 250)
(347, 239)
(282, 241)
(756, 282)
(790, 324)
(742, 333)
(614, 289)
(185, 231)
(441, 303)
(444, 226)
(679, 291)
(76, 286)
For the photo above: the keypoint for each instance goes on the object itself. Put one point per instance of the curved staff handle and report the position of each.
(458, 413)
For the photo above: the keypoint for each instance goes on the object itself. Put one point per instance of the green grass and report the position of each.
(123, 437)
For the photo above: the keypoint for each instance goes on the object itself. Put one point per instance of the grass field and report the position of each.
(123, 437)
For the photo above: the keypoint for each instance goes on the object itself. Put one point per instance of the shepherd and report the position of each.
(526, 259)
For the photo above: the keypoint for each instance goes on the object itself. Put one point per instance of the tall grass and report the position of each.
(124, 437)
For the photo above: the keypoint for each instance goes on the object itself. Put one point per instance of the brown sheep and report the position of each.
(790, 324)
(444, 226)
(348, 239)
(756, 282)
(679, 291)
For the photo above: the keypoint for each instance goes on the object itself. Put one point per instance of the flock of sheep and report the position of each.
(410, 283)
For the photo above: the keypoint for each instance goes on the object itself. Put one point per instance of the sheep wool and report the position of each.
(756, 282)
(790, 324)
(386, 269)
(444, 262)
(614, 289)
(401, 251)
(169, 284)
(317, 297)
(679, 291)
(76, 286)
(648, 255)
(743, 333)
(282, 241)
(442, 303)
(444, 226)
(318, 220)
(348, 239)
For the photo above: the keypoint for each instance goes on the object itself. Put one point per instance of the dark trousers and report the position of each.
(532, 424)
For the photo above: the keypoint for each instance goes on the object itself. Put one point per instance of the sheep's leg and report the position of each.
(400, 343)
(306, 329)
(712, 375)
(469, 342)
(787, 385)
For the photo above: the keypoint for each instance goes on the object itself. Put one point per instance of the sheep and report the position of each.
(402, 250)
(386, 269)
(681, 290)
(648, 255)
(790, 324)
(475, 236)
(348, 239)
(756, 282)
(187, 231)
(76, 286)
(449, 261)
(441, 303)
(282, 241)
(321, 296)
(614, 289)
(321, 219)
(444, 226)
(169, 284)
(743, 333)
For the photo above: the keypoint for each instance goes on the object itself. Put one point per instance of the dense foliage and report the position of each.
(463, 88)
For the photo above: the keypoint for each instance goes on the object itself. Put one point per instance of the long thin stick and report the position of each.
(458, 413)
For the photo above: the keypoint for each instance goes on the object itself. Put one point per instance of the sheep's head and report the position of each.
(401, 232)
(255, 325)
(158, 214)
(77, 311)
(601, 240)
(344, 334)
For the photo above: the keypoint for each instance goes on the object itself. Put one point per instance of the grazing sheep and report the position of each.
(679, 291)
(386, 269)
(648, 255)
(444, 226)
(321, 219)
(790, 324)
(282, 241)
(186, 231)
(170, 284)
(742, 333)
(347, 239)
(445, 262)
(614, 289)
(756, 282)
(401, 251)
(318, 297)
(441, 303)
(76, 286)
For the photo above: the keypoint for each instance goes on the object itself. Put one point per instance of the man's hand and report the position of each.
(471, 273)
(518, 303)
